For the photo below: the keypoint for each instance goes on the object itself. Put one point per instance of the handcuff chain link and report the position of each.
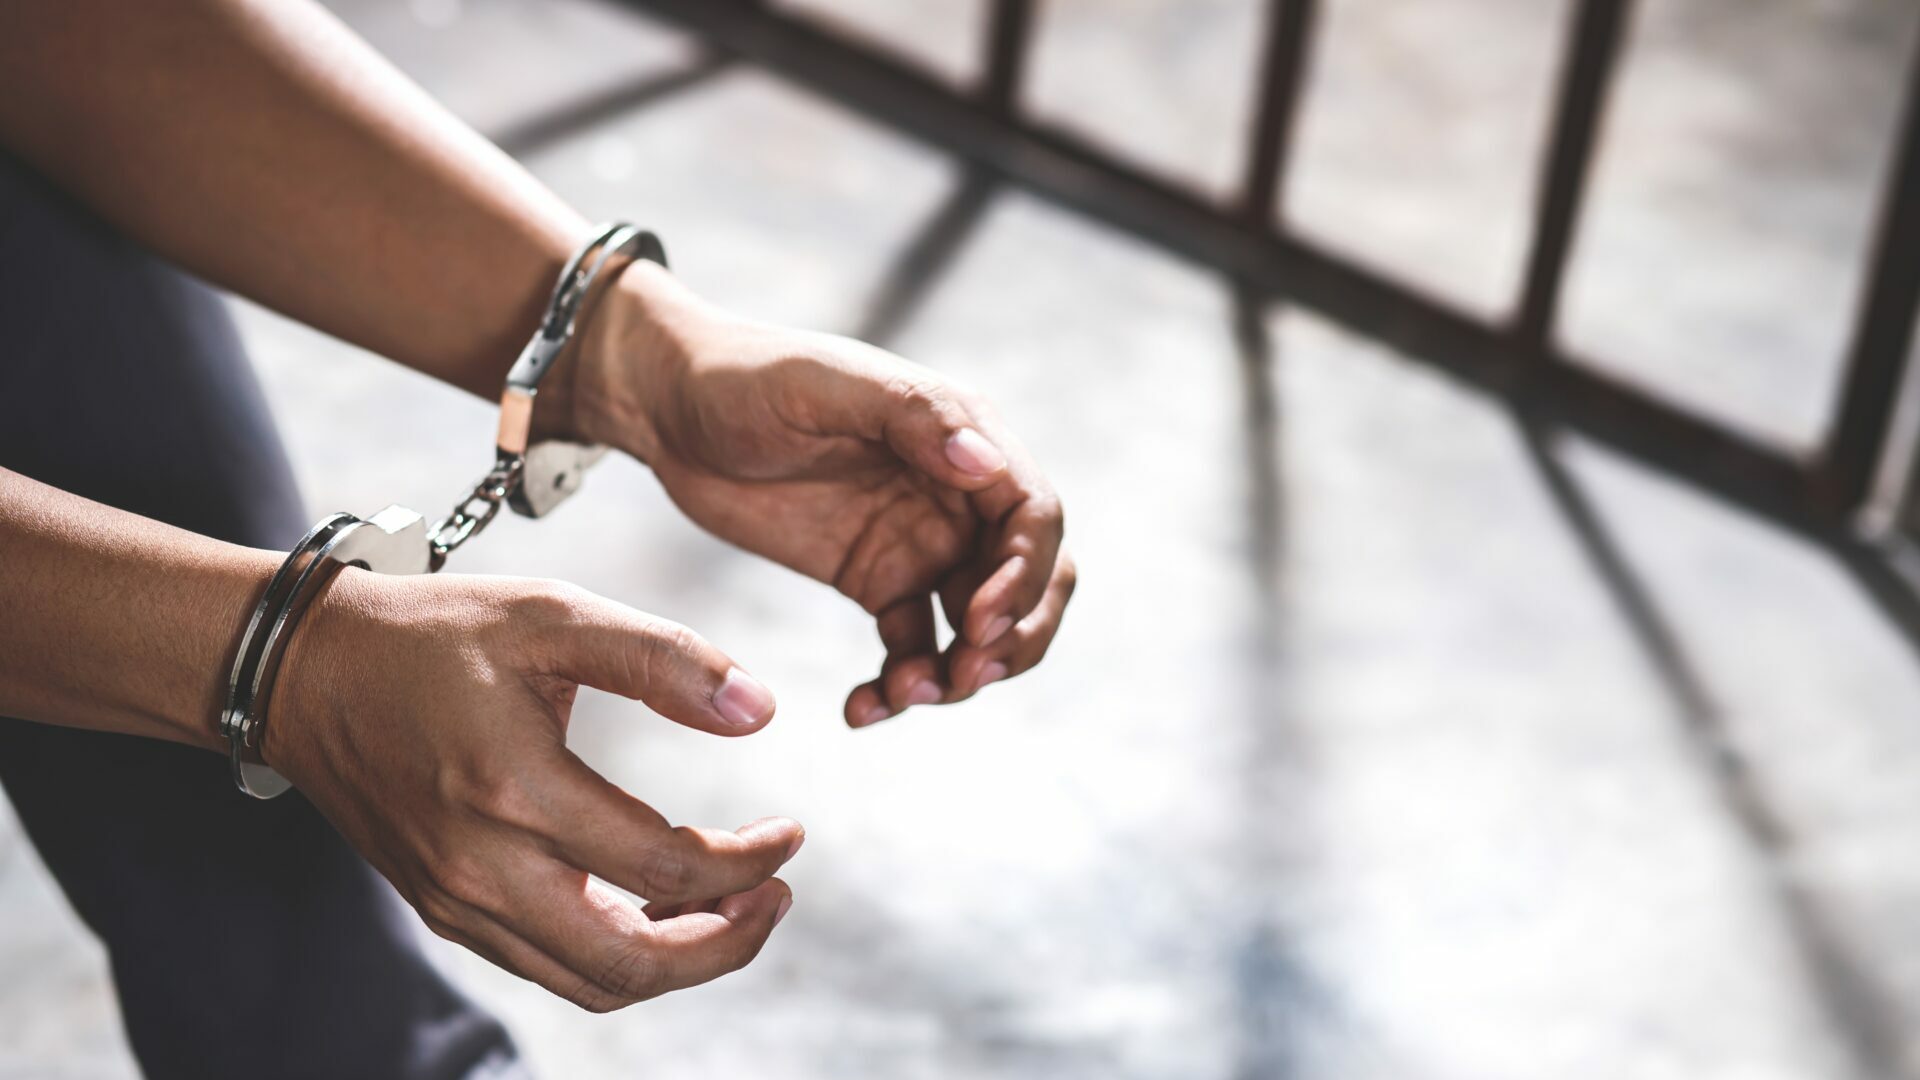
(481, 505)
(465, 521)
(392, 541)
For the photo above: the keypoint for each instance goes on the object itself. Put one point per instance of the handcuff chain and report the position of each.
(396, 539)
(465, 521)
(481, 505)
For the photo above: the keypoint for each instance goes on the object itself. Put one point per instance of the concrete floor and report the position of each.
(1385, 738)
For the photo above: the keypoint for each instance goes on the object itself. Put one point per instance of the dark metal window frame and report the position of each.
(1818, 495)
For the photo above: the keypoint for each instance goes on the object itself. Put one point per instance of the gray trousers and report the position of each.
(246, 938)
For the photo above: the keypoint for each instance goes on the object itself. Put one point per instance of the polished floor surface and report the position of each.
(1386, 737)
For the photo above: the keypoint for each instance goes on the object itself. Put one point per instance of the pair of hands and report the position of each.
(426, 716)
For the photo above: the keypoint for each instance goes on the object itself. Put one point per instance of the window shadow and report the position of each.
(1276, 1000)
(1858, 1008)
(920, 265)
(531, 136)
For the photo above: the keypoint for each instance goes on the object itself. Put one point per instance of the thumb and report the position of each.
(929, 424)
(676, 672)
(929, 428)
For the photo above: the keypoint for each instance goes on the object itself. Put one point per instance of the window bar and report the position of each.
(1290, 25)
(1077, 174)
(1594, 38)
(1009, 37)
(1877, 355)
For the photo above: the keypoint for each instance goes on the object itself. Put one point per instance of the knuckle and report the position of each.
(1046, 508)
(594, 999)
(1038, 653)
(748, 951)
(438, 911)
(491, 792)
(920, 390)
(662, 648)
(464, 881)
(546, 604)
(676, 639)
(667, 870)
(632, 973)
(442, 929)
(505, 799)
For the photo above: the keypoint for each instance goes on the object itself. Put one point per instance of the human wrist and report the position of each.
(224, 589)
(633, 352)
(350, 606)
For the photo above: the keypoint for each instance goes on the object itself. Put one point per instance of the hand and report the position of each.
(426, 718)
(846, 463)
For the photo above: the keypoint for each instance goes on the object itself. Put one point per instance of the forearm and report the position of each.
(115, 622)
(265, 147)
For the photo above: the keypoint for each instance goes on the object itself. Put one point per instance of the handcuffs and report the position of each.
(532, 479)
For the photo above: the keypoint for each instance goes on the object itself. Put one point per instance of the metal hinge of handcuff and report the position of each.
(533, 479)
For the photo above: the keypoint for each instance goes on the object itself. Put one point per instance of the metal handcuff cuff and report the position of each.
(533, 479)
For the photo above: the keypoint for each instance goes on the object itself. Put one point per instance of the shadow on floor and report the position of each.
(1857, 1007)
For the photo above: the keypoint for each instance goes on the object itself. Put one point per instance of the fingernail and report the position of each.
(874, 715)
(970, 452)
(995, 628)
(785, 903)
(923, 693)
(794, 848)
(742, 701)
(992, 673)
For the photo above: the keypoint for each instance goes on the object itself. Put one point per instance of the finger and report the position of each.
(493, 941)
(1023, 557)
(912, 681)
(701, 946)
(961, 443)
(663, 912)
(910, 674)
(972, 667)
(605, 940)
(923, 419)
(867, 705)
(904, 682)
(906, 627)
(1027, 524)
(615, 836)
(929, 427)
(593, 946)
(676, 672)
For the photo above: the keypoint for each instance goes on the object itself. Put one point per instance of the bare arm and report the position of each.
(113, 621)
(446, 767)
(265, 147)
